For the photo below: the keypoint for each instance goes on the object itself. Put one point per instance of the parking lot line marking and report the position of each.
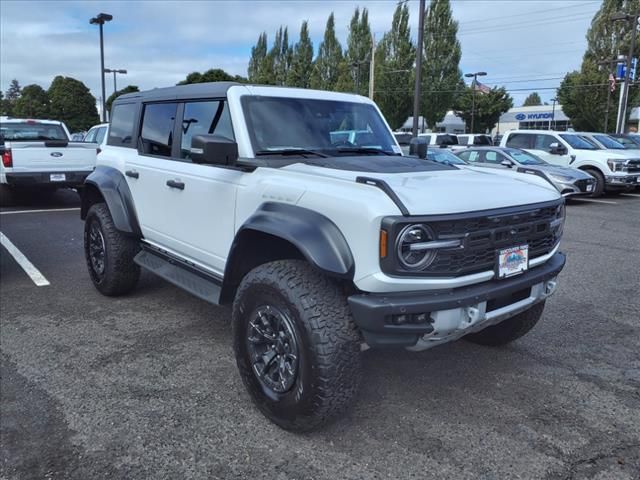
(595, 201)
(631, 194)
(14, 212)
(24, 262)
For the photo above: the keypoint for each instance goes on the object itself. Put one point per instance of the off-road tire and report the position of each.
(509, 330)
(120, 274)
(328, 343)
(599, 188)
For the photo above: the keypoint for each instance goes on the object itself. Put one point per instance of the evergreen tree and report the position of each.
(13, 92)
(260, 67)
(280, 57)
(72, 102)
(32, 103)
(327, 64)
(5, 106)
(583, 93)
(532, 100)
(358, 52)
(344, 82)
(114, 95)
(440, 69)
(489, 107)
(395, 56)
(302, 60)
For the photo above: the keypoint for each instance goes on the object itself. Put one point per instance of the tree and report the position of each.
(358, 54)
(532, 100)
(72, 102)
(395, 56)
(440, 69)
(12, 95)
(5, 106)
(583, 93)
(260, 67)
(32, 103)
(327, 64)
(211, 75)
(114, 95)
(489, 107)
(280, 55)
(302, 60)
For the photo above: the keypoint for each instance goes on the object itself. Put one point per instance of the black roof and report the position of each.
(179, 92)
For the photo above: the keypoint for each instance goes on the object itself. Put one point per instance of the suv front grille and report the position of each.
(582, 184)
(633, 166)
(483, 236)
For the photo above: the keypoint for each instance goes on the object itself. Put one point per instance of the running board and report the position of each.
(181, 274)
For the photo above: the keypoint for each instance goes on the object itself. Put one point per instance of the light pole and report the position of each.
(474, 86)
(553, 114)
(100, 20)
(114, 71)
(419, 50)
(624, 93)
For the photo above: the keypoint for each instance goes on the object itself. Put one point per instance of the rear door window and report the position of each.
(157, 128)
(520, 140)
(542, 142)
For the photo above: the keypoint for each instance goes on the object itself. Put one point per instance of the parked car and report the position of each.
(474, 139)
(440, 139)
(404, 140)
(569, 181)
(607, 142)
(78, 136)
(240, 195)
(98, 135)
(37, 155)
(630, 142)
(613, 170)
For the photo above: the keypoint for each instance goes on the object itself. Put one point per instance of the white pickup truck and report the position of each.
(37, 154)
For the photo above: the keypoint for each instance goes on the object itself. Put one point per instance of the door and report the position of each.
(540, 144)
(186, 208)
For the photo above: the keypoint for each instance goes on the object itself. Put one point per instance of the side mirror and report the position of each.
(506, 163)
(213, 150)
(418, 147)
(557, 149)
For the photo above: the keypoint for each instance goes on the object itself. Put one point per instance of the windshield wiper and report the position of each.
(291, 151)
(364, 150)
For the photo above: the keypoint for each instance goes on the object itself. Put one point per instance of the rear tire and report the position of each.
(509, 330)
(109, 253)
(286, 309)
(598, 189)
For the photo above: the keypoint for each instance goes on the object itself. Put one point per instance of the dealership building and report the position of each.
(540, 117)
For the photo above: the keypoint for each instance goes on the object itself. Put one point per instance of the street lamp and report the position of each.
(475, 76)
(553, 114)
(114, 71)
(624, 94)
(100, 20)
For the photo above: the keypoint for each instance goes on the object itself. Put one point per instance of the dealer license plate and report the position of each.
(57, 177)
(590, 188)
(512, 261)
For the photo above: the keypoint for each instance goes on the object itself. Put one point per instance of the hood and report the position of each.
(453, 190)
(622, 154)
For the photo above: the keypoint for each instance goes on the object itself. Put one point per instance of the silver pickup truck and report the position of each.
(37, 155)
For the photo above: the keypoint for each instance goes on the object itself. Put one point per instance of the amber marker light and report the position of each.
(383, 243)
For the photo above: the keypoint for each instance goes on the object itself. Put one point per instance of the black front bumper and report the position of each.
(39, 179)
(373, 312)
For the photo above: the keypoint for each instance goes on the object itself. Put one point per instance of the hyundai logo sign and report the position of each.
(533, 116)
(520, 117)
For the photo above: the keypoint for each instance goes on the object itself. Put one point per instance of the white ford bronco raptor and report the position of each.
(297, 207)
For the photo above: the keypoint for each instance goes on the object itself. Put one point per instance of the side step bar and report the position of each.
(195, 281)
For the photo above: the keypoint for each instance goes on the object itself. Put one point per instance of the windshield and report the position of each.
(331, 127)
(444, 156)
(27, 131)
(525, 158)
(609, 142)
(577, 142)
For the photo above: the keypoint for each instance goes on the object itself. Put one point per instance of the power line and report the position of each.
(586, 85)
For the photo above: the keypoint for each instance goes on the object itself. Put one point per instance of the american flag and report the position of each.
(481, 87)
(612, 83)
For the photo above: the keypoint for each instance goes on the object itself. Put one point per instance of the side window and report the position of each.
(100, 132)
(157, 128)
(91, 136)
(543, 141)
(122, 120)
(473, 157)
(491, 157)
(200, 118)
(465, 155)
(520, 140)
(463, 140)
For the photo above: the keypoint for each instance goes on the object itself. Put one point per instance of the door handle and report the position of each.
(132, 174)
(175, 184)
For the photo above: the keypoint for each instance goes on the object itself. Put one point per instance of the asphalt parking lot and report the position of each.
(145, 386)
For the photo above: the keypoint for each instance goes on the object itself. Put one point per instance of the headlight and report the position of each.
(411, 249)
(560, 178)
(616, 164)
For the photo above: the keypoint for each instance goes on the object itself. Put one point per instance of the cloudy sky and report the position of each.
(524, 45)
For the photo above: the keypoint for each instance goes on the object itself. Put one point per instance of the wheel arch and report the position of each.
(278, 231)
(108, 185)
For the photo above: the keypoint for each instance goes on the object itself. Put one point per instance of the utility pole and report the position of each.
(419, 50)
(624, 93)
(372, 66)
(610, 64)
(553, 114)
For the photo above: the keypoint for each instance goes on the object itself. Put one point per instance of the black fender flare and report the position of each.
(113, 187)
(318, 239)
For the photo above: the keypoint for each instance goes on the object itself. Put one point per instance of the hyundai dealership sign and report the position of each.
(533, 114)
